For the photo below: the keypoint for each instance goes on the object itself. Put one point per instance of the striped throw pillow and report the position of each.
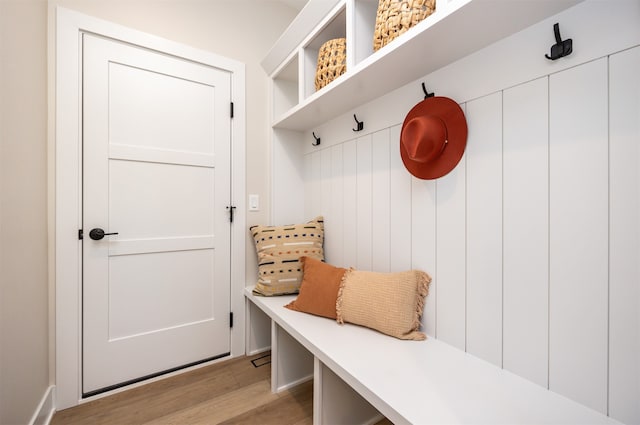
(279, 249)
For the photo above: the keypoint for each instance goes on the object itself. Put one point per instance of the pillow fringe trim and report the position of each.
(339, 317)
(424, 281)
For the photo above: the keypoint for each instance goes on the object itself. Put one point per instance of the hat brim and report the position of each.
(452, 115)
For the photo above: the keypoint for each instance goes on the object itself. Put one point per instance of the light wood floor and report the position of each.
(231, 392)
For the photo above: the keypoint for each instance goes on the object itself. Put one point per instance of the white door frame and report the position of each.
(66, 147)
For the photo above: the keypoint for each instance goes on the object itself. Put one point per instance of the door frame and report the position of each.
(65, 151)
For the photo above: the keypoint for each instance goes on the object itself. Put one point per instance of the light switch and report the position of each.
(254, 203)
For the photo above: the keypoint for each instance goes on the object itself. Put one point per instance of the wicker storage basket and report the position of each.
(332, 61)
(397, 16)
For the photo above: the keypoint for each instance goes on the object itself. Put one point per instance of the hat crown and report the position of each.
(424, 138)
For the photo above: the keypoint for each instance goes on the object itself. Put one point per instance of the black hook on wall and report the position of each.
(562, 48)
(426, 93)
(359, 124)
(317, 142)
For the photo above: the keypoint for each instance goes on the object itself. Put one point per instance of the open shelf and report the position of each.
(335, 28)
(364, 19)
(456, 29)
(286, 87)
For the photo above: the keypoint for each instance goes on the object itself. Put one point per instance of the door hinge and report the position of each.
(231, 109)
(80, 235)
(231, 319)
(230, 208)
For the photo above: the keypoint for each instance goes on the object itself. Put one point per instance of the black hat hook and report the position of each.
(317, 142)
(359, 124)
(562, 48)
(426, 93)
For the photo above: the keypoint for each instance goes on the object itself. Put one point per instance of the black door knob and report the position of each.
(97, 234)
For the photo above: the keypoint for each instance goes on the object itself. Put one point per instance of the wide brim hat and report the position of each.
(433, 137)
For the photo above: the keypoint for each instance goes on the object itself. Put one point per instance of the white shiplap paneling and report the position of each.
(400, 206)
(363, 207)
(325, 176)
(451, 256)
(350, 214)
(526, 230)
(310, 186)
(624, 236)
(423, 243)
(578, 200)
(326, 198)
(380, 201)
(316, 185)
(334, 222)
(484, 228)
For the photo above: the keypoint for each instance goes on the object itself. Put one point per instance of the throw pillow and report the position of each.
(279, 249)
(391, 303)
(319, 288)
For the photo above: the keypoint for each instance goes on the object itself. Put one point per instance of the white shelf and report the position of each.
(456, 29)
(334, 28)
(285, 87)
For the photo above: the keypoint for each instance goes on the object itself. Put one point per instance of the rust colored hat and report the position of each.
(433, 138)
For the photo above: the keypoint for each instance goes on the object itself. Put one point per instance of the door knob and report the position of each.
(97, 234)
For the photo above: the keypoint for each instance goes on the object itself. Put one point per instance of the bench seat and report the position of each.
(359, 373)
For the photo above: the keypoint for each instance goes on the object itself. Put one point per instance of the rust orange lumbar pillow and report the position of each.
(319, 288)
(391, 303)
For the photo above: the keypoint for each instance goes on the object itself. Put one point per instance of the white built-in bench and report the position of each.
(360, 374)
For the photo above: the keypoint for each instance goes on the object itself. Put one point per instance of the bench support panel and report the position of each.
(291, 363)
(336, 403)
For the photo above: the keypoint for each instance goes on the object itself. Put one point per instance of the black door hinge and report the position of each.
(231, 319)
(231, 109)
(80, 235)
(230, 209)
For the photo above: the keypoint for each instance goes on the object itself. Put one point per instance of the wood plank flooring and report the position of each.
(230, 392)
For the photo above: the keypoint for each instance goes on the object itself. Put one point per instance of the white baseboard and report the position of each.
(294, 383)
(45, 410)
(258, 351)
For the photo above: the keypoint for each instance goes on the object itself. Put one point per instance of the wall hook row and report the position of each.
(426, 93)
(359, 124)
(562, 47)
(317, 142)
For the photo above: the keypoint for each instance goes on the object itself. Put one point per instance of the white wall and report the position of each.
(24, 331)
(533, 240)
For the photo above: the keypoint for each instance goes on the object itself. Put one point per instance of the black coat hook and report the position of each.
(317, 142)
(562, 48)
(426, 93)
(359, 124)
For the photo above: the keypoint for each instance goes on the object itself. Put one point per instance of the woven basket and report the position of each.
(395, 17)
(332, 61)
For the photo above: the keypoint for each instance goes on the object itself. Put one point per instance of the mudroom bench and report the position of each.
(360, 374)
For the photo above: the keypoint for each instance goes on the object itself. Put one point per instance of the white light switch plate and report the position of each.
(254, 203)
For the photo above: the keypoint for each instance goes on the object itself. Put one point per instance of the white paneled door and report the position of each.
(156, 180)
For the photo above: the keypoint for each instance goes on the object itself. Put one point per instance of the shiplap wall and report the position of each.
(532, 240)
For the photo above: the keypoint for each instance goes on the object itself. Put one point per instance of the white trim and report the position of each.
(310, 15)
(257, 351)
(66, 149)
(46, 408)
